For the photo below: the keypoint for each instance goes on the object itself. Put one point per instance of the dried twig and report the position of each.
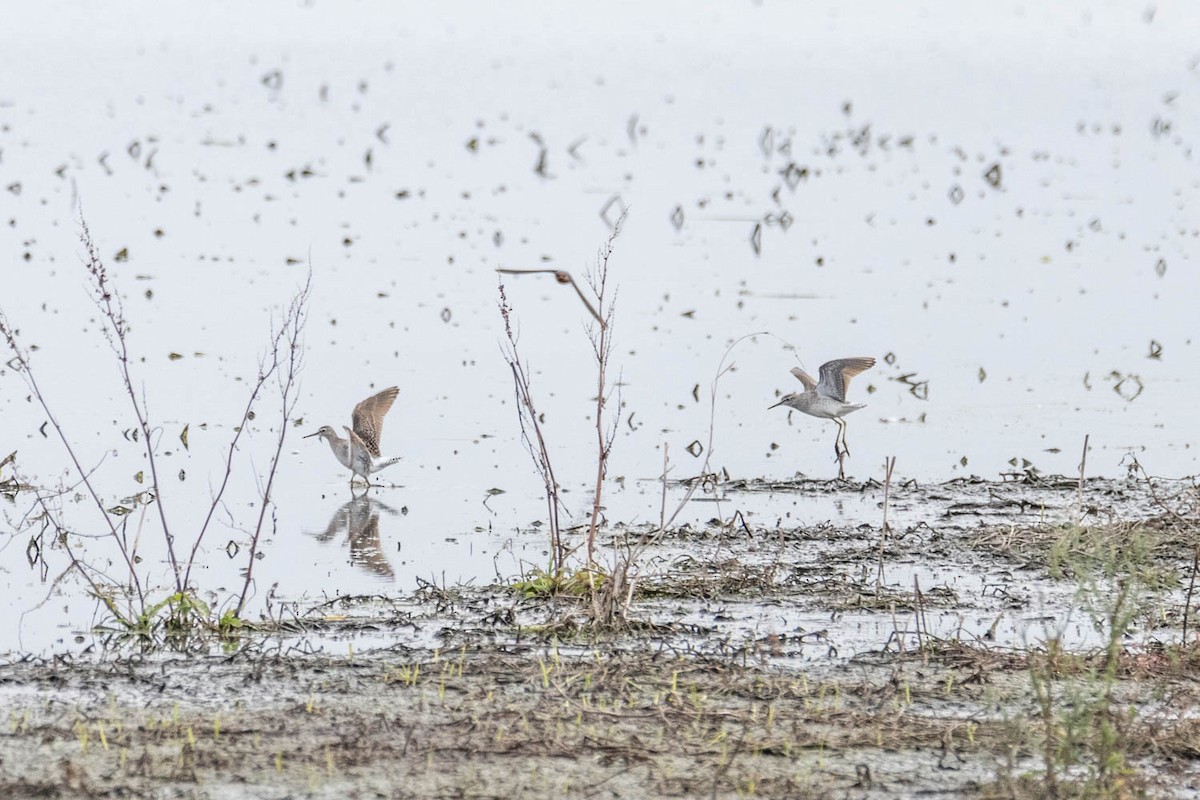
(564, 277)
(182, 603)
(285, 336)
(531, 433)
(1082, 469)
(21, 358)
(602, 350)
(50, 519)
(1136, 468)
(633, 554)
(919, 613)
(888, 466)
(1187, 603)
(287, 371)
(106, 299)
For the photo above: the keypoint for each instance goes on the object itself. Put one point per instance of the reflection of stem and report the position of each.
(562, 276)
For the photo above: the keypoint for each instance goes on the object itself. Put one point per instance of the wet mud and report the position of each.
(822, 660)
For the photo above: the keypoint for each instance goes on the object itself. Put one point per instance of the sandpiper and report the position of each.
(359, 451)
(826, 398)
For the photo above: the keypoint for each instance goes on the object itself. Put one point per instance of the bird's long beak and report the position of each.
(309, 436)
(777, 405)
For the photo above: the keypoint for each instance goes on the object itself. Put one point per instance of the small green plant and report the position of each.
(173, 619)
(541, 583)
(1087, 552)
(1083, 731)
(560, 578)
(124, 586)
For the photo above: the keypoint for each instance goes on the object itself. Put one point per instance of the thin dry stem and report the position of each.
(889, 465)
(562, 276)
(109, 303)
(286, 335)
(21, 358)
(287, 372)
(531, 433)
(602, 350)
(284, 366)
(1082, 470)
(634, 553)
(89, 573)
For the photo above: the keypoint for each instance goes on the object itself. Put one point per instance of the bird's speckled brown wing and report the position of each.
(367, 419)
(836, 375)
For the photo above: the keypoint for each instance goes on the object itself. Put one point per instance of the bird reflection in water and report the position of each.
(358, 519)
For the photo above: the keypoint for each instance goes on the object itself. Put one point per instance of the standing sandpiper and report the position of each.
(827, 398)
(359, 451)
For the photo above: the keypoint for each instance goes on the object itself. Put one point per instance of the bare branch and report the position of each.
(21, 358)
(564, 277)
(268, 366)
(535, 442)
(287, 371)
(602, 349)
(109, 303)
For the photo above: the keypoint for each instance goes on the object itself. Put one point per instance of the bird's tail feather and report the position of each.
(387, 462)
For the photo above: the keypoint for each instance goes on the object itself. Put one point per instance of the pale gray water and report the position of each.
(243, 135)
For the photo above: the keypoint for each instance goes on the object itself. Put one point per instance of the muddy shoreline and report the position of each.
(815, 660)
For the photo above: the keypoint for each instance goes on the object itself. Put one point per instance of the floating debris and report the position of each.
(918, 389)
(273, 80)
(766, 141)
(792, 175)
(617, 205)
(1128, 386)
(992, 176)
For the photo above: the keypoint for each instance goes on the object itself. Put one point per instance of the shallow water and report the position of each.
(395, 148)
